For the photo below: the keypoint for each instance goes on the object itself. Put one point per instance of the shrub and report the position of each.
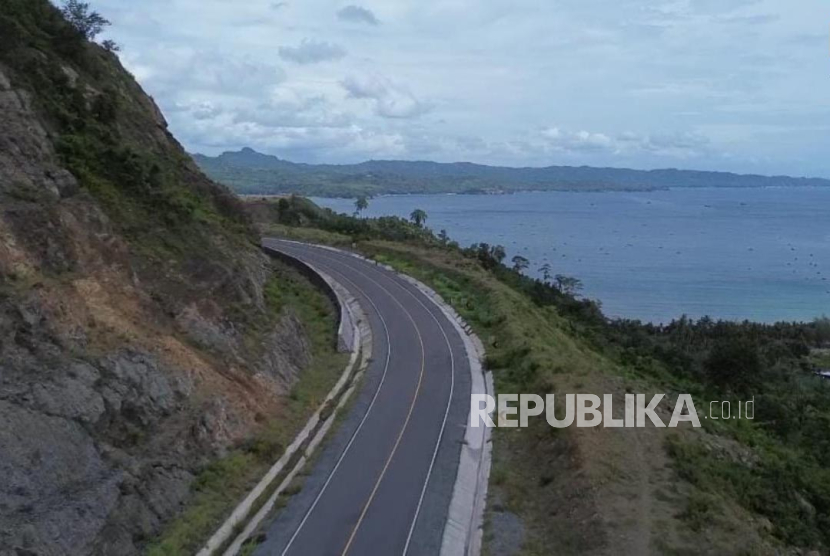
(734, 364)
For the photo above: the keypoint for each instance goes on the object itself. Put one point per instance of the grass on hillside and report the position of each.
(533, 349)
(106, 133)
(529, 349)
(222, 485)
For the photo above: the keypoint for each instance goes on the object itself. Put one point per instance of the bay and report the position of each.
(761, 254)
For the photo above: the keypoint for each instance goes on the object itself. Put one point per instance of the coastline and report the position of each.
(738, 255)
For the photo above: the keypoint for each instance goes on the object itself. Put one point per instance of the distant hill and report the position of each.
(251, 172)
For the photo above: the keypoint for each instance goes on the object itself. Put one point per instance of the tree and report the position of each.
(520, 263)
(498, 254)
(490, 256)
(443, 237)
(283, 206)
(734, 364)
(545, 270)
(361, 204)
(567, 284)
(418, 217)
(822, 328)
(88, 23)
(111, 46)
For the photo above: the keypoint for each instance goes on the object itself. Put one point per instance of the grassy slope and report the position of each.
(113, 139)
(577, 491)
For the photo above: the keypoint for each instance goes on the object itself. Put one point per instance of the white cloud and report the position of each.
(641, 83)
(357, 14)
(311, 52)
(677, 145)
(391, 100)
(172, 73)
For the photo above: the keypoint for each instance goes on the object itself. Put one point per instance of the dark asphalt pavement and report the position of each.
(383, 483)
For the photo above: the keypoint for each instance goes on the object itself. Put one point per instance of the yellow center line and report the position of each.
(400, 436)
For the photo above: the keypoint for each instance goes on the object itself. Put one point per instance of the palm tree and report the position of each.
(361, 204)
(418, 217)
(498, 253)
(568, 285)
(545, 270)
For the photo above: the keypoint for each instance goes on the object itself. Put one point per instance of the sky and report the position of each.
(734, 85)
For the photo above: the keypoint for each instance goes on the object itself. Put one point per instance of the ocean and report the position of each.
(761, 254)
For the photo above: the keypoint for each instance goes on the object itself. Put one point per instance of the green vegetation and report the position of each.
(250, 172)
(88, 23)
(821, 358)
(223, 484)
(360, 204)
(418, 217)
(101, 135)
(766, 476)
(297, 212)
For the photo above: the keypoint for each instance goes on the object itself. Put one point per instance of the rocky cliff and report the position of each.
(135, 343)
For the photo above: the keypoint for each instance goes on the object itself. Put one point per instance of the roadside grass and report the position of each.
(566, 485)
(821, 358)
(310, 235)
(220, 486)
(528, 351)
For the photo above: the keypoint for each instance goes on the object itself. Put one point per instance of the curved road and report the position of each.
(383, 484)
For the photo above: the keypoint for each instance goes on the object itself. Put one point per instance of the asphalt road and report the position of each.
(382, 485)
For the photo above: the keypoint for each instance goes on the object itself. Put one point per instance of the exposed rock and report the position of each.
(56, 491)
(285, 351)
(71, 395)
(136, 388)
(206, 331)
(27, 166)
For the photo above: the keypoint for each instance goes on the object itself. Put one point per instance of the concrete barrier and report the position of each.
(354, 336)
(345, 336)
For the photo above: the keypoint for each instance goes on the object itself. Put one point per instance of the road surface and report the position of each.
(382, 485)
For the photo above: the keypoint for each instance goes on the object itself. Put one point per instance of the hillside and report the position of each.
(144, 338)
(250, 172)
(732, 486)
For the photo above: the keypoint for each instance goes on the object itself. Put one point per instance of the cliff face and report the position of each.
(135, 343)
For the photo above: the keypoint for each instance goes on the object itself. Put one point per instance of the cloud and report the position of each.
(290, 108)
(302, 143)
(204, 110)
(479, 81)
(675, 145)
(311, 52)
(357, 14)
(577, 141)
(173, 73)
(391, 100)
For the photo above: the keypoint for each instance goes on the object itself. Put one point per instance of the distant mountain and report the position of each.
(251, 172)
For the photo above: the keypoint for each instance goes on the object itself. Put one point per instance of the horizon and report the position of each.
(529, 84)
(662, 169)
